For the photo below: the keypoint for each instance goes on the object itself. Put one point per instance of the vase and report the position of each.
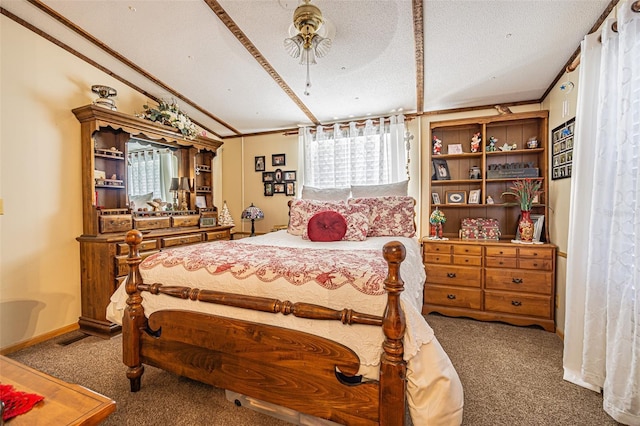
(525, 227)
(436, 230)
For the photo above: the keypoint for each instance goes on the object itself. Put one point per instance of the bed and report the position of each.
(332, 329)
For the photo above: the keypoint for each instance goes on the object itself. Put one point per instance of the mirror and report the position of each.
(150, 170)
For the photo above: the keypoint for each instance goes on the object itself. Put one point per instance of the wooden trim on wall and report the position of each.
(39, 339)
(418, 36)
(253, 50)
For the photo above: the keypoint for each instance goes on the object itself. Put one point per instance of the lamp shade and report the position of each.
(252, 212)
(185, 184)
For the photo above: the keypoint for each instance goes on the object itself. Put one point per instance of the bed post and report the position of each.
(393, 368)
(133, 320)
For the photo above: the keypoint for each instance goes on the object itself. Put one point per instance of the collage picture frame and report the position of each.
(562, 152)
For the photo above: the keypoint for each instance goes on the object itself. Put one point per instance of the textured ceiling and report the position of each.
(225, 63)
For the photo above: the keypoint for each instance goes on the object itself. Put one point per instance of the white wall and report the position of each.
(40, 180)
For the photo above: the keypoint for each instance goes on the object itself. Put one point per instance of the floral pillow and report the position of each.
(357, 217)
(389, 216)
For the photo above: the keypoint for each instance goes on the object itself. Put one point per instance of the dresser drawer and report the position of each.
(218, 235)
(182, 239)
(518, 280)
(514, 303)
(458, 297)
(501, 251)
(153, 222)
(468, 250)
(454, 275)
(123, 248)
(186, 220)
(537, 252)
(115, 223)
(501, 262)
(443, 259)
(436, 248)
(467, 260)
(121, 262)
(537, 264)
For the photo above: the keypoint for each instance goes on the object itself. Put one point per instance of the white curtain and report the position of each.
(337, 157)
(150, 171)
(602, 328)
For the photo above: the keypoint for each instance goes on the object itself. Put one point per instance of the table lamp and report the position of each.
(184, 187)
(253, 213)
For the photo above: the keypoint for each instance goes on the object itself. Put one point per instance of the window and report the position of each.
(338, 157)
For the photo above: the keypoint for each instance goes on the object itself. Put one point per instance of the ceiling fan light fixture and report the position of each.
(307, 44)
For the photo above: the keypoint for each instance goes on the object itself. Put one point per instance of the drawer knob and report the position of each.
(516, 280)
(451, 296)
(451, 274)
(516, 303)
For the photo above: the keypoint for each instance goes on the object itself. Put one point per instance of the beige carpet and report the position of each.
(511, 376)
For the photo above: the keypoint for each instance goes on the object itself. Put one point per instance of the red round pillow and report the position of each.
(327, 226)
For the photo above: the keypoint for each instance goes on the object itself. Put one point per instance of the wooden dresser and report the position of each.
(491, 281)
(107, 140)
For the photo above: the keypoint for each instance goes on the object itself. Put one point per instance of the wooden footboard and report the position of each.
(298, 370)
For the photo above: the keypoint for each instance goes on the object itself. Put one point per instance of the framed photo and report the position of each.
(538, 225)
(268, 189)
(259, 163)
(290, 176)
(201, 201)
(268, 176)
(277, 175)
(290, 188)
(474, 196)
(278, 188)
(455, 148)
(278, 160)
(435, 197)
(441, 169)
(456, 197)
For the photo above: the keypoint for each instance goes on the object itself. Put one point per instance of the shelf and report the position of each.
(458, 156)
(110, 186)
(457, 182)
(516, 151)
(108, 157)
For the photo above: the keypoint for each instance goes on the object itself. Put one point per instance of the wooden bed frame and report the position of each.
(285, 367)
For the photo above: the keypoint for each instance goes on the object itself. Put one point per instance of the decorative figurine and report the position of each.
(489, 199)
(437, 146)
(476, 140)
(105, 92)
(507, 147)
(492, 144)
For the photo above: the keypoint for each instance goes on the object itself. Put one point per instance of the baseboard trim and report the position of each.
(39, 339)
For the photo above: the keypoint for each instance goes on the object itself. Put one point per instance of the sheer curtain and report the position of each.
(602, 328)
(337, 157)
(150, 171)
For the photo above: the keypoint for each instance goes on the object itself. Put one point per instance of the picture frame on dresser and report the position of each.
(456, 197)
(474, 196)
(435, 197)
(441, 169)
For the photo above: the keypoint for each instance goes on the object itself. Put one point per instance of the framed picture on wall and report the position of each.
(268, 189)
(278, 160)
(289, 176)
(268, 176)
(562, 153)
(259, 163)
(290, 189)
(278, 188)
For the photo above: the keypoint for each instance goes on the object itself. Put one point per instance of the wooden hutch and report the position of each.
(106, 211)
(489, 279)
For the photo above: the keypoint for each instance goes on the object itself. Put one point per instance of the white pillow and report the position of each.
(140, 201)
(325, 194)
(398, 189)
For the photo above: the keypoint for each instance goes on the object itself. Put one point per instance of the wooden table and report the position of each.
(64, 403)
